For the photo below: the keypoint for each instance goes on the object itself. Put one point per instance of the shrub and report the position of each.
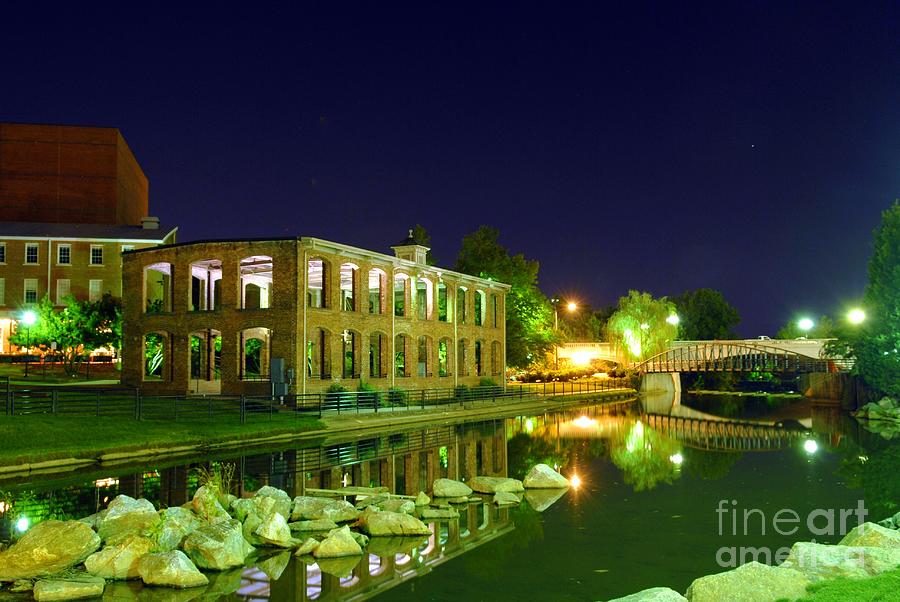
(462, 392)
(396, 396)
(369, 396)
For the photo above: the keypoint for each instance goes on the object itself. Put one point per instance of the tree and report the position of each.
(529, 315)
(874, 344)
(79, 328)
(582, 325)
(705, 315)
(640, 325)
(823, 328)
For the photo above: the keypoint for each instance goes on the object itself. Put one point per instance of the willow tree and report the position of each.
(642, 326)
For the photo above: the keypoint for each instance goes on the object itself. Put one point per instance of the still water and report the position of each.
(652, 473)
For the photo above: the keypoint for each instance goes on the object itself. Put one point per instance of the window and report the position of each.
(206, 289)
(158, 288)
(442, 302)
(348, 286)
(31, 252)
(96, 254)
(376, 287)
(495, 310)
(348, 353)
(2, 291)
(443, 351)
(63, 287)
(317, 283)
(155, 352)
(2, 252)
(424, 300)
(257, 273)
(31, 292)
(479, 308)
(400, 294)
(94, 290)
(400, 356)
(376, 348)
(478, 365)
(64, 255)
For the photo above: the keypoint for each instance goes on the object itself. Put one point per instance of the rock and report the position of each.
(307, 547)
(322, 524)
(503, 498)
(340, 542)
(751, 582)
(870, 534)
(70, 588)
(450, 488)
(544, 477)
(818, 561)
(119, 561)
(311, 508)
(221, 584)
(495, 485)
(21, 586)
(541, 499)
(48, 547)
(274, 530)
(125, 517)
(459, 500)
(362, 540)
(427, 513)
(654, 594)
(273, 566)
(379, 524)
(887, 409)
(422, 499)
(176, 524)
(207, 506)
(219, 546)
(390, 546)
(172, 569)
(282, 500)
(341, 567)
(398, 505)
(94, 519)
(371, 500)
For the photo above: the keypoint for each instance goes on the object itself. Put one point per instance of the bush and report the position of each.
(487, 382)
(369, 396)
(397, 396)
(462, 392)
(336, 388)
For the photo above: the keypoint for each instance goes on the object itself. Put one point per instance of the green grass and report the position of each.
(39, 437)
(882, 587)
(54, 374)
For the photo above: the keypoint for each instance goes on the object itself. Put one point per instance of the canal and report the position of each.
(660, 491)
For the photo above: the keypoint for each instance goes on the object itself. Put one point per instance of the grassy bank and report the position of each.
(29, 438)
(881, 587)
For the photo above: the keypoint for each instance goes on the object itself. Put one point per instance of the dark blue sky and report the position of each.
(748, 148)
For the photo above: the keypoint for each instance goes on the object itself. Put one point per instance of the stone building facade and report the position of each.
(225, 316)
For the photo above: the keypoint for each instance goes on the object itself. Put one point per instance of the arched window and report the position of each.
(423, 363)
(479, 308)
(496, 358)
(255, 345)
(318, 354)
(478, 364)
(348, 286)
(400, 355)
(349, 353)
(256, 282)
(424, 301)
(377, 348)
(158, 288)
(400, 294)
(495, 310)
(205, 356)
(156, 356)
(444, 357)
(461, 305)
(206, 281)
(377, 279)
(442, 302)
(462, 368)
(317, 283)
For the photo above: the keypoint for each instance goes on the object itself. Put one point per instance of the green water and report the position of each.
(644, 514)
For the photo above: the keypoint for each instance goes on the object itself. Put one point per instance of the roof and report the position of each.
(83, 231)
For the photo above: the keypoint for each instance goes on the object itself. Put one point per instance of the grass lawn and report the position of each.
(38, 437)
(54, 374)
(882, 587)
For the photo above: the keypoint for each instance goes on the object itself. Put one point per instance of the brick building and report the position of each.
(71, 199)
(217, 316)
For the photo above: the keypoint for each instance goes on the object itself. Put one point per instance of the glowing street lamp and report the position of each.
(805, 324)
(856, 316)
(28, 319)
(673, 320)
(572, 307)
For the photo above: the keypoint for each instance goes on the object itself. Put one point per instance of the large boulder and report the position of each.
(119, 561)
(176, 524)
(654, 594)
(887, 409)
(422, 499)
(541, 499)
(312, 508)
(495, 485)
(172, 569)
(450, 488)
(126, 516)
(322, 524)
(274, 531)
(207, 506)
(542, 476)
(389, 524)
(341, 566)
(390, 546)
(340, 542)
(872, 535)
(398, 505)
(47, 548)
(273, 565)
(282, 501)
(505, 498)
(219, 547)
(307, 547)
(819, 561)
(76, 587)
(751, 582)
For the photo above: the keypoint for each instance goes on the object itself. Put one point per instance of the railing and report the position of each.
(131, 403)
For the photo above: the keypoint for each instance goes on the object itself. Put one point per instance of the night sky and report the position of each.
(746, 148)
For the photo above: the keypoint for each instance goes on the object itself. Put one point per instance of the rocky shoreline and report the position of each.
(198, 544)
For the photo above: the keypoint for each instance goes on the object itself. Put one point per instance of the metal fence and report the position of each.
(130, 403)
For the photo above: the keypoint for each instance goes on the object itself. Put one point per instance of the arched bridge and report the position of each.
(725, 435)
(734, 356)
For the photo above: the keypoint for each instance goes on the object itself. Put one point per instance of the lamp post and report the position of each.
(856, 316)
(805, 324)
(571, 306)
(28, 318)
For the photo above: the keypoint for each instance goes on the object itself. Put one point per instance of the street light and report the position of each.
(673, 320)
(856, 316)
(805, 324)
(571, 306)
(28, 318)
